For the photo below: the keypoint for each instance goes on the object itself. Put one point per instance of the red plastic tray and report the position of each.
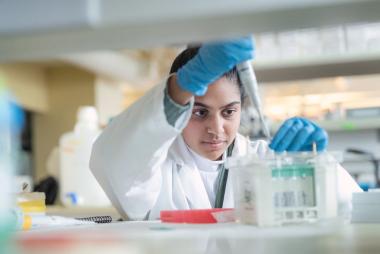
(190, 216)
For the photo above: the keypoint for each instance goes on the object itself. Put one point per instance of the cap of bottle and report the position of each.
(87, 114)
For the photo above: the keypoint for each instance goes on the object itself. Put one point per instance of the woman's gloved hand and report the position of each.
(212, 61)
(299, 134)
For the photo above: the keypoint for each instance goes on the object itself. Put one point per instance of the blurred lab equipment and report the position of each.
(250, 125)
(28, 205)
(249, 82)
(367, 112)
(11, 122)
(284, 188)
(36, 221)
(24, 154)
(49, 186)
(78, 186)
(366, 207)
(376, 166)
(30, 213)
(31, 202)
(23, 183)
(5, 169)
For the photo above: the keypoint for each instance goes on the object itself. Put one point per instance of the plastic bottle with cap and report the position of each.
(78, 187)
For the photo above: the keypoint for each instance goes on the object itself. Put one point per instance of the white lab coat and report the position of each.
(144, 166)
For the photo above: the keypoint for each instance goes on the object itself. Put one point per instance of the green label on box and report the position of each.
(293, 171)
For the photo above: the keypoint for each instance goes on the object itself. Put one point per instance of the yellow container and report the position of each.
(33, 202)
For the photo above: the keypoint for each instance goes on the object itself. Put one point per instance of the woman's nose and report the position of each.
(215, 125)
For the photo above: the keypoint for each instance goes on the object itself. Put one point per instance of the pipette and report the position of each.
(248, 78)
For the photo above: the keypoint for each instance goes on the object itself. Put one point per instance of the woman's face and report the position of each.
(215, 119)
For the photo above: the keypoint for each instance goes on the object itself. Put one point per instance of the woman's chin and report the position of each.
(213, 155)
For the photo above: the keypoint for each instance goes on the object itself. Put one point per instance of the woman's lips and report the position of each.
(214, 145)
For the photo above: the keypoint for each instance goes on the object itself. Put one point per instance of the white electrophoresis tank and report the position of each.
(284, 188)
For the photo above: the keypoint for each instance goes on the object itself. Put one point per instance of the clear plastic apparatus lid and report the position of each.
(280, 160)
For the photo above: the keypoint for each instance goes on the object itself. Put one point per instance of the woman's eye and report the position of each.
(201, 113)
(228, 112)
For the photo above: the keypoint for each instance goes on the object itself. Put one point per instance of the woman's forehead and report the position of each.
(220, 93)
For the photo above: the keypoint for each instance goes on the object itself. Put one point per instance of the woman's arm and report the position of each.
(127, 156)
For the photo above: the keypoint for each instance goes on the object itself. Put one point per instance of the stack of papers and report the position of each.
(366, 207)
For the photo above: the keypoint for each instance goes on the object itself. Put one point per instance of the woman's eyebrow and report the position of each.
(231, 104)
(200, 104)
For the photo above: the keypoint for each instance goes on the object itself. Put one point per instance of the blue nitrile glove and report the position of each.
(299, 134)
(212, 61)
(18, 117)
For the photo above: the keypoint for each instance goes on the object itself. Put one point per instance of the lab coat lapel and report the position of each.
(189, 175)
(194, 188)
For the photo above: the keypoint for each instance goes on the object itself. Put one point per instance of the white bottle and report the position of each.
(78, 186)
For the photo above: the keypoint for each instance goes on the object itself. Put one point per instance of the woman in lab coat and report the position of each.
(167, 150)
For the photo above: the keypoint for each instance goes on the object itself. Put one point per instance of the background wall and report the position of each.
(67, 89)
(28, 85)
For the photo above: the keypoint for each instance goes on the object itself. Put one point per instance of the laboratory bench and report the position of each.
(156, 237)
